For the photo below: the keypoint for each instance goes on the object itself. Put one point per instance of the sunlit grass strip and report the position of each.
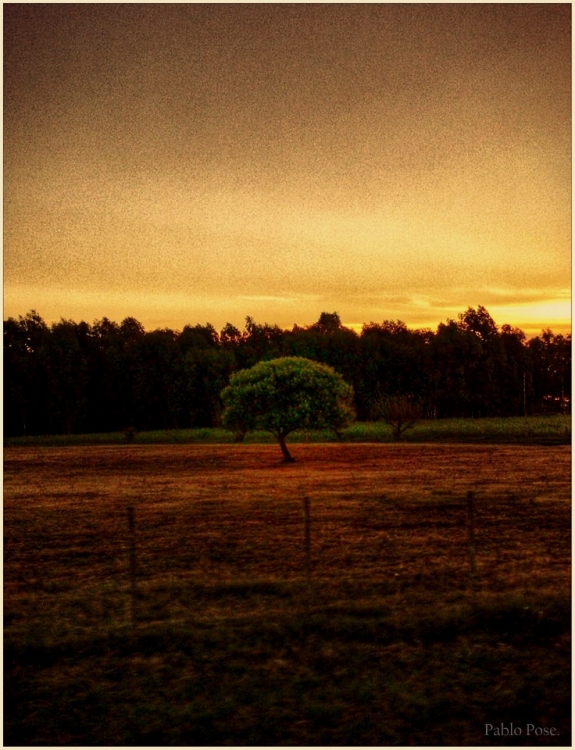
(556, 428)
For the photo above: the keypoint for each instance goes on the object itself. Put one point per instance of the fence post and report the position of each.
(471, 539)
(132, 542)
(307, 540)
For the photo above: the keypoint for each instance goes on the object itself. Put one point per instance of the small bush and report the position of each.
(130, 434)
(401, 412)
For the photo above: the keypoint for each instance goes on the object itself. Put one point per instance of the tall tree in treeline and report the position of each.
(393, 362)
(551, 368)
(26, 380)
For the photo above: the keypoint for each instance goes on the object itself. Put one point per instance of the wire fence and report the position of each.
(143, 562)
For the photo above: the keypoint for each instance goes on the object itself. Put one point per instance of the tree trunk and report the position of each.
(286, 454)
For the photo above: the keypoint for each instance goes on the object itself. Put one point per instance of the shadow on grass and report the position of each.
(311, 675)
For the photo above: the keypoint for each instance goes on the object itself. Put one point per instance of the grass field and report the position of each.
(551, 429)
(382, 640)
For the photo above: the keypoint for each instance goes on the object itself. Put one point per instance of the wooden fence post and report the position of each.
(307, 539)
(307, 593)
(132, 542)
(471, 539)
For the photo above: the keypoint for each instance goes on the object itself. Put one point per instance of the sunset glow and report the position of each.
(193, 163)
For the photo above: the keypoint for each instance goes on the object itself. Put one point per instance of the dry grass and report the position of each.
(221, 565)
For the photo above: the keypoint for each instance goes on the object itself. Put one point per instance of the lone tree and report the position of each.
(401, 413)
(287, 394)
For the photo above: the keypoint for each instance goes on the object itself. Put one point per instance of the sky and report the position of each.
(191, 163)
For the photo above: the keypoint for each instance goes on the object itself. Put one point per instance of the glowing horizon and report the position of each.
(149, 310)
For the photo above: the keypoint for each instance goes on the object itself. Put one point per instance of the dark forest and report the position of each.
(80, 378)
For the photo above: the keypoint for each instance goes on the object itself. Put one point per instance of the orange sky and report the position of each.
(192, 163)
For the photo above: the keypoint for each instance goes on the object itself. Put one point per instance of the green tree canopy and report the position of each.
(287, 394)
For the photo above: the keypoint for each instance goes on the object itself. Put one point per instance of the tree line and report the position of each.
(75, 377)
